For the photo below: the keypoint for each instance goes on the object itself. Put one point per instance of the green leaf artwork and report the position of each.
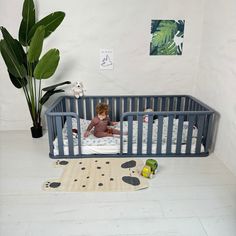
(167, 37)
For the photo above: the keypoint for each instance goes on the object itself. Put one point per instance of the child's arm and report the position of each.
(114, 123)
(86, 134)
(93, 122)
(111, 122)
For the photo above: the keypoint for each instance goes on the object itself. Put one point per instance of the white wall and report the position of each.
(216, 82)
(123, 26)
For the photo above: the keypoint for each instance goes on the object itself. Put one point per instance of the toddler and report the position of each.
(101, 122)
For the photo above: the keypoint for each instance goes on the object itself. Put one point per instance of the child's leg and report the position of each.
(115, 131)
(102, 134)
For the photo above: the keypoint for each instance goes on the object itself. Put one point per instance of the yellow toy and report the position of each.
(146, 172)
(150, 168)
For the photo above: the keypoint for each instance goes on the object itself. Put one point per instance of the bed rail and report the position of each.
(131, 108)
(201, 120)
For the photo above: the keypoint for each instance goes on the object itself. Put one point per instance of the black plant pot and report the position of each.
(36, 131)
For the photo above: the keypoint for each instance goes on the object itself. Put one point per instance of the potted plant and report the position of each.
(26, 67)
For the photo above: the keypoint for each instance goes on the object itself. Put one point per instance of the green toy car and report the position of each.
(150, 168)
(153, 164)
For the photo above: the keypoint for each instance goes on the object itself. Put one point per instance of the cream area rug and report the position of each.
(99, 175)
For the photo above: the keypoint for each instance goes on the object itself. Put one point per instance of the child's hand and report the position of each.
(86, 134)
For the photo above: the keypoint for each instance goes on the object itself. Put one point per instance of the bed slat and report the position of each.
(209, 132)
(70, 135)
(140, 135)
(81, 107)
(155, 106)
(125, 104)
(179, 134)
(95, 103)
(163, 104)
(200, 125)
(79, 137)
(140, 104)
(149, 134)
(59, 135)
(169, 134)
(88, 108)
(110, 107)
(171, 104)
(72, 104)
(148, 103)
(118, 107)
(133, 104)
(50, 133)
(190, 133)
(159, 134)
(130, 134)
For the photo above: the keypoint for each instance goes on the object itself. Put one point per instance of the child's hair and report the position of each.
(102, 107)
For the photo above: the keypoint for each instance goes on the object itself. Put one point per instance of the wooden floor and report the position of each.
(188, 197)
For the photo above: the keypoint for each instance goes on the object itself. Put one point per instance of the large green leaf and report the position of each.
(154, 25)
(50, 90)
(169, 48)
(165, 33)
(17, 82)
(14, 46)
(36, 45)
(50, 22)
(47, 65)
(52, 87)
(48, 94)
(14, 67)
(28, 20)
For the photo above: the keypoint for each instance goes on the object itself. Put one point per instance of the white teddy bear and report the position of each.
(78, 89)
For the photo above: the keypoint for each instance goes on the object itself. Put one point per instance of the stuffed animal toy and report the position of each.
(78, 89)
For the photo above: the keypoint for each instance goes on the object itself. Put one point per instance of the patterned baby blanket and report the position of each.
(108, 141)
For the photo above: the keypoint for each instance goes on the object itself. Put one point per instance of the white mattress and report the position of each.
(111, 145)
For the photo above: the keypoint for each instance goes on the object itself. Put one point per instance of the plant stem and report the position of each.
(28, 101)
(30, 91)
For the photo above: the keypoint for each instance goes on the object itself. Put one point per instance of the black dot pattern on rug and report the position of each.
(107, 162)
(83, 186)
(80, 162)
(98, 167)
(111, 179)
(102, 174)
(63, 163)
(100, 184)
(96, 160)
(83, 168)
(129, 164)
(87, 177)
(54, 185)
(75, 180)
